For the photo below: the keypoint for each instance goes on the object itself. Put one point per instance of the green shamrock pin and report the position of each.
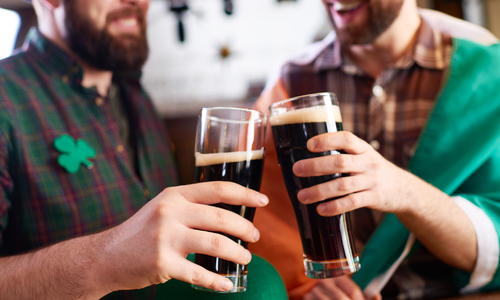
(73, 153)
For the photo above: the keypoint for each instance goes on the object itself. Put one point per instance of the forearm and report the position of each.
(439, 224)
(66, 270)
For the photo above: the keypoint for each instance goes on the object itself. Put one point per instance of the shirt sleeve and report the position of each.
(487, 245)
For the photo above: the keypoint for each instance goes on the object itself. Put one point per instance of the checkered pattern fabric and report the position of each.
(41, 99)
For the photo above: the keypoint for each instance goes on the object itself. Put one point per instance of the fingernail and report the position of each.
(256, 234)
(227, 285)
(297, 168)
(311, 144)
(263, 199)
(302, 196)
(248, 256)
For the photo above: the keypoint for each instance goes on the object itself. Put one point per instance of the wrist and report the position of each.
(98, 257)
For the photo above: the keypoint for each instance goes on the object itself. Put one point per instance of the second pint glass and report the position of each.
(327, 242)
(230, 147)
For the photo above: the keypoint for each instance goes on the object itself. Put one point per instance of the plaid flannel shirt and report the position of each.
(41, 99)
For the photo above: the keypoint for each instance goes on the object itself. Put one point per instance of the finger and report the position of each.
(218, 219)
(219, 191)
(341, 140)
(317, 294)
(343, 204)
(194, 274)
(215, 244)
(335, 188)
(331, 289)
(329, 164)
(350, 288)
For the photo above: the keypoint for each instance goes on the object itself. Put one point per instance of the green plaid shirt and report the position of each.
(41, 99)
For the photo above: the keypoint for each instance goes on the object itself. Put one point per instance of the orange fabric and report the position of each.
(280, 242)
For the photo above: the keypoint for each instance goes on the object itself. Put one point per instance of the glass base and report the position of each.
(329, 269)
(239, 285)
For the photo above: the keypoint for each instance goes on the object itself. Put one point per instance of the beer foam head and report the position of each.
(313, 114)
(207, 159)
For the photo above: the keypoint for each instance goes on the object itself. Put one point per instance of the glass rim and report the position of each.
(302, 96)
(262, 116)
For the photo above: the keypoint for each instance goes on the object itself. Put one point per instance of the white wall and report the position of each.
(183, 77)
(9, 22)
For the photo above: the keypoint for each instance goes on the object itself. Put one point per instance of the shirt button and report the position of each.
(146, 192)
(99, 101)
(378, 91)
(65, 79)
(120, 148)
(375, 144)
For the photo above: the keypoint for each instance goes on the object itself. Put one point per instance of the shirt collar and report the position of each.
(60, 62)
(429, 52)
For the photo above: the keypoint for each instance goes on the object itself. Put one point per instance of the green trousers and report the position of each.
(263, 282)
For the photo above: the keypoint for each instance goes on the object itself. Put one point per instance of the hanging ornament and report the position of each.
(179, 7)
(228, 7)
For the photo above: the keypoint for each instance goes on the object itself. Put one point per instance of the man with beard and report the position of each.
(87, 199)
(419, 103)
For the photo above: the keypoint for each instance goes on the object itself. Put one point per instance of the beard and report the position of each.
(380, 18)
(100, 49)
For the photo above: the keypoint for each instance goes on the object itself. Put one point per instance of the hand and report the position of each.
(151, 247)
(337, 288)
(374, 182)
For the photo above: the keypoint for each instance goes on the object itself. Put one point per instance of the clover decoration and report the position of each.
(73, 153)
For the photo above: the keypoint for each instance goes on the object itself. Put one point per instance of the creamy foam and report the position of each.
(313, 114)
(208, 159)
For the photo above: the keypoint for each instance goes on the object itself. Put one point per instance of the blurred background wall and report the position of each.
(220, 58)
(224, 59)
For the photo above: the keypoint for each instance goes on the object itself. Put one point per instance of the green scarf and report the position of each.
(458, 152)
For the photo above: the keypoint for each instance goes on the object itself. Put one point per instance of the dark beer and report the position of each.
(244, 168)
(324, 239)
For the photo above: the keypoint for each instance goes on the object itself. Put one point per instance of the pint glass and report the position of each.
(230, 147)
(327, 242)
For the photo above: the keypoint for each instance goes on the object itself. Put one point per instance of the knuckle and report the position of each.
(344, 184)
(216, 242)
(213, 285)
(343, 161)
(163, 208)
(196, 277)
(348, 137)
(311, 167)
(323, 191)
(220, 187)
(220, 217)
(334, 206)
(317, 192)
(355, 200)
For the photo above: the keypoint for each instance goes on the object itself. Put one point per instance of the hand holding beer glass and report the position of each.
(230, 147)
(327, 242)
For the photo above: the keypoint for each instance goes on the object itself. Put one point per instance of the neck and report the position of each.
(98, 78)
(391, 45)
